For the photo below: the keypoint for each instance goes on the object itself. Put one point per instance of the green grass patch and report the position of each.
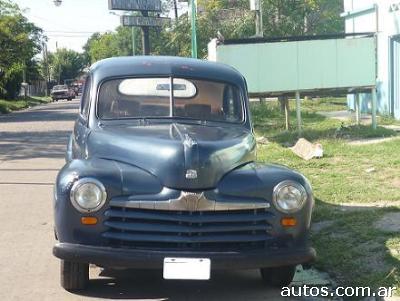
(7, 106)
(350, 248)
(327, 104)
(269, 122)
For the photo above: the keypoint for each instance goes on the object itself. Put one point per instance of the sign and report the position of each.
(255, 5)
(143, 21)
(135, 5)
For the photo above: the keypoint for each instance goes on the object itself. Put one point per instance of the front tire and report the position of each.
(74, 275)
(278, 276)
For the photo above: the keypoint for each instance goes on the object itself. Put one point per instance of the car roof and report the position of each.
(164, 66)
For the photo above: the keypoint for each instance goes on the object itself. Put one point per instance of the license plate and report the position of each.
(187, 268)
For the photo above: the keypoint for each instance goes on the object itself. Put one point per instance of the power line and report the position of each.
(66, 36)
(71, 32)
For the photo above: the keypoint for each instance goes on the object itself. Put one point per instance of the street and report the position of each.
(32, 146)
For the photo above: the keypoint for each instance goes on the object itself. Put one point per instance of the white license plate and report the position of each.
(187, 268)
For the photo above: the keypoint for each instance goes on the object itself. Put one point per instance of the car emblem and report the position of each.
(191, 174)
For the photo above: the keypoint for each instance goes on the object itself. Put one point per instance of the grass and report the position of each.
(324, 104)
(7, 106)
(350, 248)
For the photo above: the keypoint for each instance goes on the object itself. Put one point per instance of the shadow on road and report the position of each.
(38, 133)
(51, 112)
(28, 145)
(149, 285)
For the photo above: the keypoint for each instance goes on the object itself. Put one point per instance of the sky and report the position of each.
(72, 23)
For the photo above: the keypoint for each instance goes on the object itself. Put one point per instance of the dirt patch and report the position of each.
(374, 257)
(350, 207)
(390, 222)
(396, 182)
(372, 141)
(395, 128)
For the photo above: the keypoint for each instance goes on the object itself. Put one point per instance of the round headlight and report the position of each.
(88, 195)
(289, 196)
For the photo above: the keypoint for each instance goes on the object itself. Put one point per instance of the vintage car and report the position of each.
(161, 173)
(62, 92)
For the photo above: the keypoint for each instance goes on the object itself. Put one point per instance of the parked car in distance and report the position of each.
(161, 173)
(77, 87)
(62, 92)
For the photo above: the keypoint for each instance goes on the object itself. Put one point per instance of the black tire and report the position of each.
(278, 276)
(74, 275)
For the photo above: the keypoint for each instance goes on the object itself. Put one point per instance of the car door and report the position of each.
(81, 129)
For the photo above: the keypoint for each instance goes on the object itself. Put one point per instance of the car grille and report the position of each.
(186, 230)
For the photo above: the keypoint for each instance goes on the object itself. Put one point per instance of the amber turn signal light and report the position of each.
(288, 222)
(89, 220)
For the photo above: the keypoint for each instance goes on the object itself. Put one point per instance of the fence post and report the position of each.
(298, 111)
(357, 99)
(374, 100)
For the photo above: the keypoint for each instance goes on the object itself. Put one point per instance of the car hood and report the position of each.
(180, 156)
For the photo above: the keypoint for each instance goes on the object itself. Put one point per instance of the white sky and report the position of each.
(72, 23)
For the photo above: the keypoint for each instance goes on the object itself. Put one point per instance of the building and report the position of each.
(381, 17)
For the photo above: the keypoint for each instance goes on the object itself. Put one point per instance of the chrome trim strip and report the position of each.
(189, 202)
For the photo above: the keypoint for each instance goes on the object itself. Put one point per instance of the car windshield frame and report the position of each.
(244, 114)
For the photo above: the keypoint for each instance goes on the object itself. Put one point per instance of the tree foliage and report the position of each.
(232, 18)
(20, 41)
(65, 64)
(302, 17)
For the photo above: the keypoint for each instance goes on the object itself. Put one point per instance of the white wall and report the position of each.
(388, 25)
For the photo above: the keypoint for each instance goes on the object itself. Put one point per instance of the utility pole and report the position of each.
(256, 5)
(193, 10)
(176, 10)
(46, 66)
(145, 36)
(133, 41)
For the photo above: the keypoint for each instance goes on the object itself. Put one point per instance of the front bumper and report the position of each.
(149, 259)
(60, 96)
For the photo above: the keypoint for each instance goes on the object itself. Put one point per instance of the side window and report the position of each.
(85, 102)
(232, 104)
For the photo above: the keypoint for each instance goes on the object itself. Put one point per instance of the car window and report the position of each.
(151, 97)
(85, 102)
(60, 87)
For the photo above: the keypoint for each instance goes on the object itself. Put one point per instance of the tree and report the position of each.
(232, 18)
(20, 41)
(101, 46)
(66, 64)
(302, 17)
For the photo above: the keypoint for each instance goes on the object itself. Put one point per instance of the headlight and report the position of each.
(88, 195)
(289, 196)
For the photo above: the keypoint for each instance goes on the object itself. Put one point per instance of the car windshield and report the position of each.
(152, 98)
(63, 87)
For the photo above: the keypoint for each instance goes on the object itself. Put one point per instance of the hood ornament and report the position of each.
(189, 141)
(191, 200)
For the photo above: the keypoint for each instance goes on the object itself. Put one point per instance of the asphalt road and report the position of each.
(32, 146)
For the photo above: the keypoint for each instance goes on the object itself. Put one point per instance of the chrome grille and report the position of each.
(188, 230)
